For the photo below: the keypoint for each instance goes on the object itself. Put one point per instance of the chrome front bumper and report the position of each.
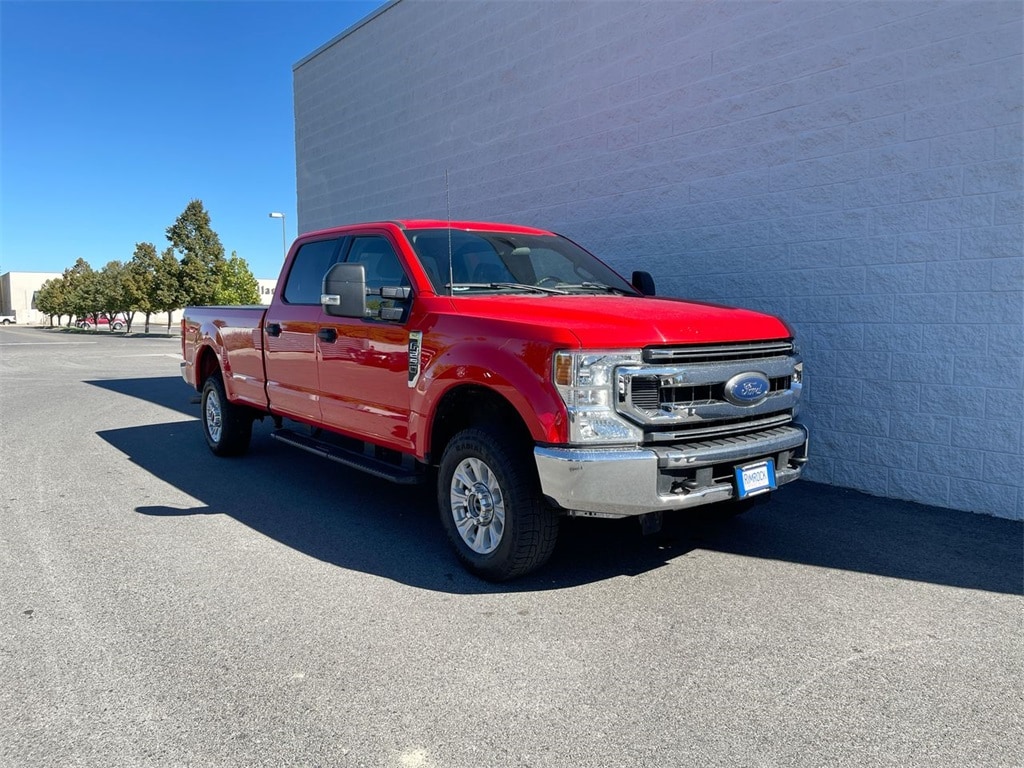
(625, 482)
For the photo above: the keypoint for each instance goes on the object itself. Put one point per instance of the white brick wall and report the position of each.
(855, 167)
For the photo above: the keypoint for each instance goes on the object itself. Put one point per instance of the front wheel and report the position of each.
(228, 427)
(117, 326)
(491, 507)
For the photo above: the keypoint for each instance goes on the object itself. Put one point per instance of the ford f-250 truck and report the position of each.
(525, 375)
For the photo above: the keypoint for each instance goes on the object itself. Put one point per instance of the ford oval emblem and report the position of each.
(748, 388)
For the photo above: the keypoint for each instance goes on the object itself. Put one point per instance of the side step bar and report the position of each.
(369, 464)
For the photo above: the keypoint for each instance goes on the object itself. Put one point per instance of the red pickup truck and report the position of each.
(511, 367)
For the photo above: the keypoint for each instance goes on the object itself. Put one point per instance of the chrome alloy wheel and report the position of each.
(214, 418)
(477, 506)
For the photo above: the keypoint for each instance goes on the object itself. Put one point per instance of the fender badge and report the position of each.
(415, 346)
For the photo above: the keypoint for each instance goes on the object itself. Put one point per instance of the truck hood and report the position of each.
(623, 321)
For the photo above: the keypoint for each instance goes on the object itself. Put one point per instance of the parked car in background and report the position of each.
(8, 319)
(102, 321)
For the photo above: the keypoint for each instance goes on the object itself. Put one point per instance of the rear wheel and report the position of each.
(228, 427)
(491, 506)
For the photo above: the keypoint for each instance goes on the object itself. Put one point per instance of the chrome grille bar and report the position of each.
(722, 430)
(717, 352)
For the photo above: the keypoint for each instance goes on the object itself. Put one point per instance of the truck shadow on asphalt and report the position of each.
(358, 522)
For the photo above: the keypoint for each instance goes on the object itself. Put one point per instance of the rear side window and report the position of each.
(306, 277)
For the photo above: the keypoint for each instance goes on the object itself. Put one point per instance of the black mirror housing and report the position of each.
(644, 283)
(344, 291)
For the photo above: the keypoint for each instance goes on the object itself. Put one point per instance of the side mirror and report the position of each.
(344, 291)
(644, 283)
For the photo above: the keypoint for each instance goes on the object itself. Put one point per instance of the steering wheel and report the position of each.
(549, 279)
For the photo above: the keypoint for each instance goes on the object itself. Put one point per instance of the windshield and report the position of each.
(490, 262)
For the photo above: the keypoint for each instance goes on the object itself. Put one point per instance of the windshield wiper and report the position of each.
(601, 287)
(527, 287)
(515, 286)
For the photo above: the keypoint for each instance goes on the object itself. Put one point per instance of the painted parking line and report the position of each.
(44, 343)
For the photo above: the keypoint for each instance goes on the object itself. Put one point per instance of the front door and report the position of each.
(364, 362)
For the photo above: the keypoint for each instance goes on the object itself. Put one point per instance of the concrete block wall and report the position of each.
(855, 167)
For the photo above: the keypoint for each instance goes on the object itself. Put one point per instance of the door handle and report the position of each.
(327, 334)
(273, 329)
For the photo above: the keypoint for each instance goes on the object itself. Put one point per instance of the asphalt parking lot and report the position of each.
(161, 607)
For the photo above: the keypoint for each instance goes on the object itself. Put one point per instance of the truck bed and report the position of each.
(238, 332)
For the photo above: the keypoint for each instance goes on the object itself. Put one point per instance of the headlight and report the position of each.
(586, 383)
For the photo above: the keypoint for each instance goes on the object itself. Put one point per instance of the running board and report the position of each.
(369, 464)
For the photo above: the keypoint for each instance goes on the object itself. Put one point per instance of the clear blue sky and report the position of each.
(114, 115)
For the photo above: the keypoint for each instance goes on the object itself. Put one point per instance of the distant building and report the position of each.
(18, 295)
(267, 288)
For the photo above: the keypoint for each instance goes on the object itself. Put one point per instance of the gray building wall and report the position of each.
(855, 167)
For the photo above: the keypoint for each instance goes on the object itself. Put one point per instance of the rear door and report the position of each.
(290, 333)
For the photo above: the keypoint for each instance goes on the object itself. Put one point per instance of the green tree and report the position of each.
(83, 296)
(237, 284)
(202, 255)
(46, 300)
(52, 300)
(118, 292)
(144, 267)
(167, 291)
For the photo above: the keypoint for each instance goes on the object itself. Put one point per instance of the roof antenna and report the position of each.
(448, 210)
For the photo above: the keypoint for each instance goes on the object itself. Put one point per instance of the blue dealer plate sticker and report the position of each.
(752, 479)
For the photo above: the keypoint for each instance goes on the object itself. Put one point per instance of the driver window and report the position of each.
(382, 266)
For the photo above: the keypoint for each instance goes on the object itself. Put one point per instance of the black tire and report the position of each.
(117, 326)
(491, 507)
(227, 427)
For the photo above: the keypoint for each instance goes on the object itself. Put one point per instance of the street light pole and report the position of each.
(284, 236)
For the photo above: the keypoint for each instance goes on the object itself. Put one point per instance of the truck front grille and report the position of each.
(679, 393)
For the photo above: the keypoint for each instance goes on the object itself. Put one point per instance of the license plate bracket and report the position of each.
(757, 477)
